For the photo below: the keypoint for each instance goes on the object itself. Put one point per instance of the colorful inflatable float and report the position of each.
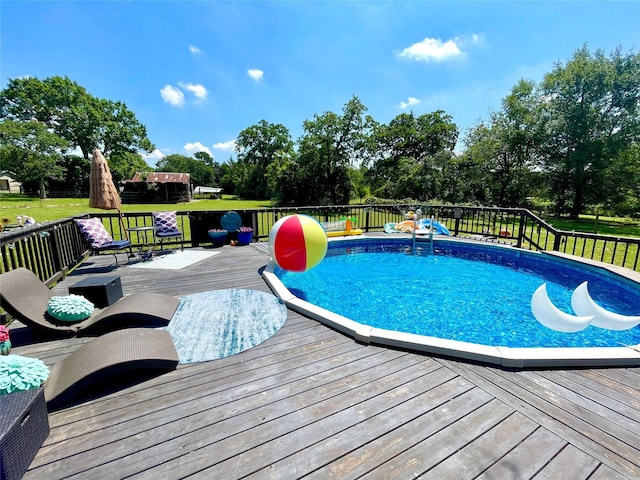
(424, 226)
(341, 228)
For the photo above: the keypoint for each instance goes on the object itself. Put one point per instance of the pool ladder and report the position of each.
(427, 246)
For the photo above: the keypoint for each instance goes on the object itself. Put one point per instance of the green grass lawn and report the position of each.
(12, 205)
(626, 227)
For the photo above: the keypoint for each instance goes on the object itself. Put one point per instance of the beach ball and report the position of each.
(297, 243)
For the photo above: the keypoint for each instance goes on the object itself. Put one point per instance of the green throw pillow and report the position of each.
(70, 308)
(18, 373)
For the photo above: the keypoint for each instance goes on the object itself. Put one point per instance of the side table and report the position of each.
(24, 426)
(101, 291)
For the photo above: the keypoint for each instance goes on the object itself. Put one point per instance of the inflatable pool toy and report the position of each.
(583, 304)
(341, 228)
(437, 227)
(424, 225)
(552, 317)
(589, 312)
(297, 243)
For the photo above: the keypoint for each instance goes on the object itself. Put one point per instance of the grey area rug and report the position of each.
(219, 323)
(175, 260)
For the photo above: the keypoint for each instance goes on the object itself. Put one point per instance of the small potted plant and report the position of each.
(5, 343)
(218, 237)
(245, 235)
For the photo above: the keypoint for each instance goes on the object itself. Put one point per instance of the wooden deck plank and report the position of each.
(527, 458)
(596, 396)
(185, 395)
(211, 408)
(362, 434)
(302, 428)
(281, 417)
(424, 455)
(571, 464)
(569, 396)
(476, 457)
(521, 395)
(312, 402)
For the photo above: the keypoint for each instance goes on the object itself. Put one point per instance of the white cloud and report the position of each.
(432, 50)
(172, 96)
(198, 90)
(256, 74)
(152, 157)
(193, 49)
(228, 146)
(195, 148)
(411, 101)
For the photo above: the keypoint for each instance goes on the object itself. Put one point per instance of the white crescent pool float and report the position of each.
(583, 304)
(552, 317)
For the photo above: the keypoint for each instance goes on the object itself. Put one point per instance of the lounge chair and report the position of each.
(106, 358)
(26, 298)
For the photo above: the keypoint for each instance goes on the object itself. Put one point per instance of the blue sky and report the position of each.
(198, 73)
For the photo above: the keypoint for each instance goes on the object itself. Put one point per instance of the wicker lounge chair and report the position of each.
(26, 298)
(106, 358)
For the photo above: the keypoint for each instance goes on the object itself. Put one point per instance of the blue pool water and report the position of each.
(473, 293)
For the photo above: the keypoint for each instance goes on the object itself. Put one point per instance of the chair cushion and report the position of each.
(70, 308)
(165, 222)
(94, 231)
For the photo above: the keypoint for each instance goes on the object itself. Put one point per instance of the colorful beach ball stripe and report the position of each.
(297, 243)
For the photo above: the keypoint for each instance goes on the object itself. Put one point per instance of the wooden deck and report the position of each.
(310, 402)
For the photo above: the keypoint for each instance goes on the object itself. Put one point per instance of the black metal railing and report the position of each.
(51, 249)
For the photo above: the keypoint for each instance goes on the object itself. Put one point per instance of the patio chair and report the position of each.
(99, 239)
(26, 298)
(166, 226)
(108, 359)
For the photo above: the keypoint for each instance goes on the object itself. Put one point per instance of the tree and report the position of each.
(403, 154)
(209, 161)
(507, 146)
(69, 111)
(31, 152)
(124, 165)
(591, 108)
(257, 147)
(330, 145)
(76, 175)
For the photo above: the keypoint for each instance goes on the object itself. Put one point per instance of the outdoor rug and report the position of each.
(175, 260)
(219, 323)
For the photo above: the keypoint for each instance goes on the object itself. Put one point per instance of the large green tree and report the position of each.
(69, 111)
(405, 154)
(257, 147)
(591, 109)
(507, 148)
(330, 145)
(30, 151)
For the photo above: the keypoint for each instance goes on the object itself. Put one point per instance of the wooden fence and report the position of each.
(52, 249)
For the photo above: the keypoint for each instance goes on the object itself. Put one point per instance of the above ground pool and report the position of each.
(460, 298)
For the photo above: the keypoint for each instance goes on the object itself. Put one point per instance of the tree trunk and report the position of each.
(42, 191)
(578, 189)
